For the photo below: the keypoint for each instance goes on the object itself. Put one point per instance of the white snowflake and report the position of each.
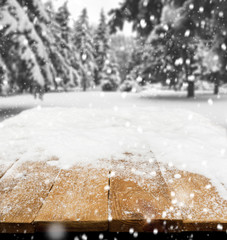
(187, 33)
(143, 23)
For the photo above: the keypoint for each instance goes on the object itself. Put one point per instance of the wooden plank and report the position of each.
(22, 192)
(139, 197)
(5, 167)
(201, 206)
(78, 200)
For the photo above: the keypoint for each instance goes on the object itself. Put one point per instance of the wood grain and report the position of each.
(136, 192)
(201, 206)
(78, 200)
(22, 192)
(140, 202)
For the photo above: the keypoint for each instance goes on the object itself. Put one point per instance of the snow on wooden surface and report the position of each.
(170, 200)
(160, 168)
(35, 195)
(70, 136)
(79, 200)
(23, 189)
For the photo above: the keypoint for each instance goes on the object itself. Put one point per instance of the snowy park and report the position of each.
(113, 118)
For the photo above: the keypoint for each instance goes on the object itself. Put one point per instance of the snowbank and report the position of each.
(65, 137)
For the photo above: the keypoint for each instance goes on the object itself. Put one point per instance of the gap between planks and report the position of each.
(138, 203)
(51, 187)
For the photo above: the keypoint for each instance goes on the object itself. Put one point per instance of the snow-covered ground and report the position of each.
(82, 128)
(207, 105)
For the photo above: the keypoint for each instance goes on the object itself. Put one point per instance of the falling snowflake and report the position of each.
(143, 23)
(56, 231)
(101, 236)
(223, 47)
(220, 227)
(84, 237)
(187, 33)
(201, 9)
(191, 6)
(210, 102)
(221, 14)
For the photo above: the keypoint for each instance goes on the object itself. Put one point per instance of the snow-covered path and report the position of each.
(207, 105)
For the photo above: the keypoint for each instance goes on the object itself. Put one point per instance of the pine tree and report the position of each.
(62, 18)
(154, 59)
(144, 15)
(110, 74)
(123, 48)
(84, 43)
(63, 53)
(136, 64)
(31, 49)
(187, 21)
(21, 48)
(4, 75)
(101, 43)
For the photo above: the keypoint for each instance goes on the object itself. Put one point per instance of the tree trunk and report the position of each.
(97, 80)
(84, 85)
(191, 89)
(216, 86)
(84, 81)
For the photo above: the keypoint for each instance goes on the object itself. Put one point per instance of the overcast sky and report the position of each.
(93, 7)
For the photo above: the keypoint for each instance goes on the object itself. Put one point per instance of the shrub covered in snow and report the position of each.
(108, 85)
(128, 85)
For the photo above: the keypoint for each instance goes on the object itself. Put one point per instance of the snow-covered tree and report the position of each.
(63, 52)
(62, 18)
(175, 56)
(144, 15)
(123, 48)
(29, 49)
(84, 44)
(4, 75)
(207, 20)
(185, 21)
(22, 46)
(110, 75)
(102, 46)
(154, 60)
(136, 61)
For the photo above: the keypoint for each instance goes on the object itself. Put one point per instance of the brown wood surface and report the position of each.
(201, 206)
(138, 202)
(23, 190)
(78, 200)
(137, 192)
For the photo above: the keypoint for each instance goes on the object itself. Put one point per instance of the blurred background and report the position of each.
(171, 51)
